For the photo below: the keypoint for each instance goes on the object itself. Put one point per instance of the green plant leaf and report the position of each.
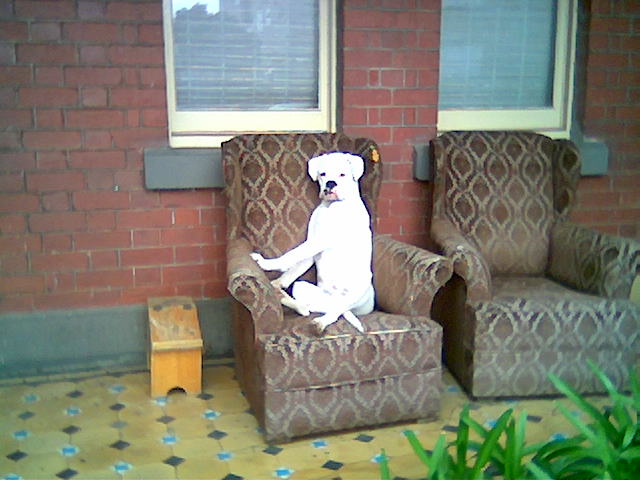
(585, 406)
(538, 472)
(462, 441)
(385, 472)
(489, 445)
(417, 447)
(619, 410)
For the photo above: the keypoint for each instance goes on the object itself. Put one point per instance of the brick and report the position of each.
(12, 224)
(55, 202)
(13, 31)
(187, 273)
(146, 256)
(49, 119)
(94, 97)
(19, 202)
(45, 32)
(147, 276)
(52, 140)
(64, 300)
(101, 221)
(59, 262)
(368, 58)
(48, 96)
(49, 76)
(57, 242)
(104, 259)
(151, 34)
(102, 240)
(82, 76)
(46, 54)
(367, 97)
(100, 179)
(134, 11)
(139, 137)
(152, 77)
(415, 59)
(125, 55)
(14, 264)
(154, 117)
(94, 118)
(12, 284)
(15, 119)
(144, 219)
(415, 96)
(52, 181)
(189, 198)
(52, 160)
(14, 75)
(129, 180)
(92, 32)
(93, 54)
(146, 238)
(138, 97)
(9, 140)
(99, 159)
(58, 222)
(105, 279)
(187, 236)
(45, 9)
(105, 200)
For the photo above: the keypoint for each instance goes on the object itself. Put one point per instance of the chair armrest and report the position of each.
(593, 262)
(467, 260)
(248, 284)
(406, 278)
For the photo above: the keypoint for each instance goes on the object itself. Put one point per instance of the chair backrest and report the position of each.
(270, 193)
(504, 191)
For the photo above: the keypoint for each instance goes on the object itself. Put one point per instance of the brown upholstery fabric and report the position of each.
(542, 295)
(299, 383)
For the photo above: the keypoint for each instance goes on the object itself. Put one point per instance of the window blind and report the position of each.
(497, 54)
(246, 55)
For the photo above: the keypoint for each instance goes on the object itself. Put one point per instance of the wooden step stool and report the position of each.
(175, 356)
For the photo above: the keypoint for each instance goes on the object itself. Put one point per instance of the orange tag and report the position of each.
(375, 155)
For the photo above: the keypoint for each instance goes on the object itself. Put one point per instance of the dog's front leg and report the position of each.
(303, 252)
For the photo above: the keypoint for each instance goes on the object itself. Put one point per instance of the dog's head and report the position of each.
(337, 174)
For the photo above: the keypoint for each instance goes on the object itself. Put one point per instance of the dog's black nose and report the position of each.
(330, 185)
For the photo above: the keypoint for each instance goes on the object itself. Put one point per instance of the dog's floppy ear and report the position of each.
(313, 167)
(357, 165)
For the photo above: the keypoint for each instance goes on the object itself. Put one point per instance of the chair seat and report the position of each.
(534, 326)
(393, 345)
(533, 313)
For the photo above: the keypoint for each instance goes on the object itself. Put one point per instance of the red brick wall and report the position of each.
(82, 94)
(612, 203)
(390, 94)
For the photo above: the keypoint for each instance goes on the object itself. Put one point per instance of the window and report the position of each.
(237, 66)
(507, 64)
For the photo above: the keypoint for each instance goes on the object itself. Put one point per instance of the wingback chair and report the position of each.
(532, 293)
(296, 381)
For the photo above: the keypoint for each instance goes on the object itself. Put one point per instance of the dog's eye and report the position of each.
(342, 175)
(323, 174)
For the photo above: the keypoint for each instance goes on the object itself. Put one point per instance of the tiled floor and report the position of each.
(105, 426)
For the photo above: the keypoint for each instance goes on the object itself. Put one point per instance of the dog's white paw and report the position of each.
(262, 262)
(322, 322)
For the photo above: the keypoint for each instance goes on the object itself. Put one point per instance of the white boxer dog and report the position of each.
(338, 240)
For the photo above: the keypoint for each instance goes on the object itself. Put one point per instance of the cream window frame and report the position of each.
(554, 121)
(194, 129)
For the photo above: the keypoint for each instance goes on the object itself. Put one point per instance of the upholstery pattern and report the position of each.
(309, 411)
(272, 193)
(468, 262)
(594, 262)
(496, 187)
(298, 358)
(539, 294)
(406, 278)
(297, 382)
(533, 326)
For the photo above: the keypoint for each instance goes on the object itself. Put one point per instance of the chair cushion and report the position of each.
(393, 345)
(530, 313)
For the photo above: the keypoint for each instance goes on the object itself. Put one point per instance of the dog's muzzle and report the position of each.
(329, 193)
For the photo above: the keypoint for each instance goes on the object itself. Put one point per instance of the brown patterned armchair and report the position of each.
(531, 293)
(297, 382)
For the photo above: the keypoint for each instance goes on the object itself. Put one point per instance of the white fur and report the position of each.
(338, 241)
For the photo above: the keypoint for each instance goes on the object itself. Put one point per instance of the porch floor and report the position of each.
(104, 425)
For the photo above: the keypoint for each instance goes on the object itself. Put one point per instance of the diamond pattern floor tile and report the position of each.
(101, 426)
